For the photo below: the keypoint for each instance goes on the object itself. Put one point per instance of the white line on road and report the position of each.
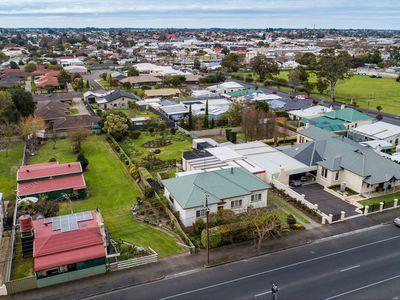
(279, 268)
(262, 294)
(350, 268)
(363, 287)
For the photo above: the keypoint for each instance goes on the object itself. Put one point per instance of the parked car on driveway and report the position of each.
(295, 183)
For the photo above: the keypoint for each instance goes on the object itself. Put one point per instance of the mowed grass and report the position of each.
(180, 143)
(8, 169)
(111, 189)
(361, 89)
(377, 200)
(131, 113)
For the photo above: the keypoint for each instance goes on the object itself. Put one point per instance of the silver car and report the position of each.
(397, 221)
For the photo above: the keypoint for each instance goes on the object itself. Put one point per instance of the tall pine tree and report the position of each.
(190, 118)
(205, 125)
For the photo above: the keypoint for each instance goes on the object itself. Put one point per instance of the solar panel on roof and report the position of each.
(69, 222)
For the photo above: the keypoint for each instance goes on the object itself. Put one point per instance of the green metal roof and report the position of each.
(189, 190)
(347, 114)
(242, 92)
(325, 123)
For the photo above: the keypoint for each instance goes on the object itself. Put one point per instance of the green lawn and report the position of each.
(381, 91)
(131, 113)
(299, 216)
(73, 111)
(21, 267)
(8, 169)
(180, 143)
(111, 189)
(104, 83)
(384, 198)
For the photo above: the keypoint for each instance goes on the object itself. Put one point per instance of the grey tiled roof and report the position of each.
(336, 153)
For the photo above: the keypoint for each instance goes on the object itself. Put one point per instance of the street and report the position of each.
(362, 265)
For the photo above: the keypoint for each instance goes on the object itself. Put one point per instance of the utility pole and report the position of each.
(207, 233)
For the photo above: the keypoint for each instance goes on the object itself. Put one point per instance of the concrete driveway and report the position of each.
(327, 203)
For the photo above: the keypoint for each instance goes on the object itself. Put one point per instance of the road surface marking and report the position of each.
(262, 294)
(363, 287)
(350, 268)
(279, 268)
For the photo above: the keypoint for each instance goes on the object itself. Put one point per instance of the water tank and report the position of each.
(25, 223)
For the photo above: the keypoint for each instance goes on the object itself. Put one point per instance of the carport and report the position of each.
(327, 203)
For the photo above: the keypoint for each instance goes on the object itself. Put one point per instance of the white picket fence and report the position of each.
(291, 193)
(135, 262)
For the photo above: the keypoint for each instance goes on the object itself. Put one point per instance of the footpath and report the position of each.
(186, 263)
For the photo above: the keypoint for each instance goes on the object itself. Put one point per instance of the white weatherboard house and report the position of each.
(229, 188)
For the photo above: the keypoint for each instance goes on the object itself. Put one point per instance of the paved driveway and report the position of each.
(327, 203)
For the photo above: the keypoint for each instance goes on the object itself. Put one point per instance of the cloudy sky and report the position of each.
(382, 14)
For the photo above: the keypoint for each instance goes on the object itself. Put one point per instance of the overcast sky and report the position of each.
(382, 14)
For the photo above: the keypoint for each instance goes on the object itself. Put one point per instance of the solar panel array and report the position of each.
(68, 222)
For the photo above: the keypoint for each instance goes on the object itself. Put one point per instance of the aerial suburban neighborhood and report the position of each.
(156, 161)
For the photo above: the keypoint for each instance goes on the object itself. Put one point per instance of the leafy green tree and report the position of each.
(30, 67)
(264, 66)
(133, 72)
(64, 78)
(333, 67)
(23, 101)
(374, 57)
(231, 62)
(13, 65)
(116, 125)
(83, 160)
(234, 114)
(321, 85)
(298, 77)
(307, 59)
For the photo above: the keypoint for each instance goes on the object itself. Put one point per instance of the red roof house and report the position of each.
(51, 179)
(69, 243)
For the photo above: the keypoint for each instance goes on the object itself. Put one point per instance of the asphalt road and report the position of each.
(362, 265)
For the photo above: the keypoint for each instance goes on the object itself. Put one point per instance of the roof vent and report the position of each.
(27, 171)
(69, 165)
(231, 170)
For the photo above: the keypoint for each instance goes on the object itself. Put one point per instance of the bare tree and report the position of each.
(263, 225)
(257, 123)
(29, 127)
(77, 136)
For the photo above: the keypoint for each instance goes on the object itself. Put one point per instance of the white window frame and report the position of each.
(236, 203)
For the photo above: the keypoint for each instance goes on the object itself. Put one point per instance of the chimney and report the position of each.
(231, 170)
(307, 125)
(342, 106)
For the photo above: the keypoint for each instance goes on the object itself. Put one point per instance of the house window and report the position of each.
(255, 197)
(236, 203)
(337, 176)
(200, 213)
